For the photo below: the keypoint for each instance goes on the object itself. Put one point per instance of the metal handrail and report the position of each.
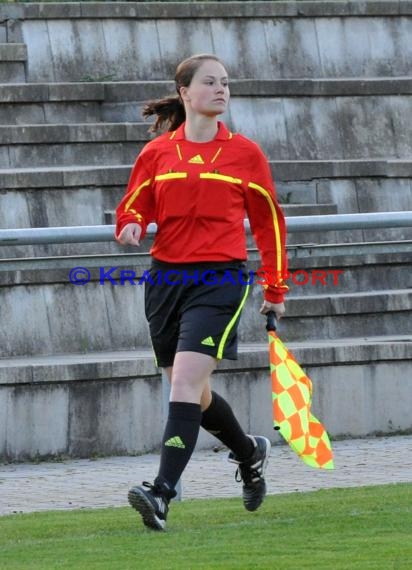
(295, 224)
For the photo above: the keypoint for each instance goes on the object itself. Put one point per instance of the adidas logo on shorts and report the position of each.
(208, 341)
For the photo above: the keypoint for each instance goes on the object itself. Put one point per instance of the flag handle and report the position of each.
(271, 325)
(271, 322)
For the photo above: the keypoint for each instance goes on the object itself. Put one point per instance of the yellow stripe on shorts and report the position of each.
(231, 324)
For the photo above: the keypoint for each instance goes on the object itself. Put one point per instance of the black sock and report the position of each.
(179, 440)
(219, 420)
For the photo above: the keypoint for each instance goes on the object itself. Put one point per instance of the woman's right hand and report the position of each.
(130, 234)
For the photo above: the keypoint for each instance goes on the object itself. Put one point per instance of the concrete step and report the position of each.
(59, 177)
(364, 127)
(140, 362)
(87, 195)
(84, 404)
(13, 52)
(321, 128)
(355, 186)
(278, 39)
(33, 313)
(311, 272)
(12, 62)
(337, 315)
(290, 176)
(72, 133)
(82, 144)
(332, 275)
(122, 101)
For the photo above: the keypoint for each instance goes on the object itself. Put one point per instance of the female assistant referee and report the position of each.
(196, 180)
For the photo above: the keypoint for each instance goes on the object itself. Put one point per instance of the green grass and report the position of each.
(360, 528)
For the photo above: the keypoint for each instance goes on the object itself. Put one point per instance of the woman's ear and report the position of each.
(184, 94)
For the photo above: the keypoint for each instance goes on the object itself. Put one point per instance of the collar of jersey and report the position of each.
(223, 134)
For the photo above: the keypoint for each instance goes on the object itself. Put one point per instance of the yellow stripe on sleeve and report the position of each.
(278, 244)
(136, 193)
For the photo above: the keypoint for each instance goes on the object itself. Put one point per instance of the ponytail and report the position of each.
(170, 113)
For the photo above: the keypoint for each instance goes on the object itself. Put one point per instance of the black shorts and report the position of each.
(195, 307)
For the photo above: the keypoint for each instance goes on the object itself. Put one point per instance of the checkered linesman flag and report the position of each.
(291, 398)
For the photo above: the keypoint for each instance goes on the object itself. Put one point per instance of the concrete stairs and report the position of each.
(58, 138)
(323, 87)
(12, 61)
(54, 317)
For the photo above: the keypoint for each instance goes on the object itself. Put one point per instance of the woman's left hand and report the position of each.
(277, 308)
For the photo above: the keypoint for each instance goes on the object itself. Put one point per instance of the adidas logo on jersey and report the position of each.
(197, 159)
(175, 442)
(208, 341)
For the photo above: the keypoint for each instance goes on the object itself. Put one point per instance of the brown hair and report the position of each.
(170, 110)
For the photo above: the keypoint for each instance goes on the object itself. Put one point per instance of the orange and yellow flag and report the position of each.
(291, 398)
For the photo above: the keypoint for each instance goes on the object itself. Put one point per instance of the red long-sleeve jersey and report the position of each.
(198, 193)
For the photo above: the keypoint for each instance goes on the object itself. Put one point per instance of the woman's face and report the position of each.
(208, 93)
